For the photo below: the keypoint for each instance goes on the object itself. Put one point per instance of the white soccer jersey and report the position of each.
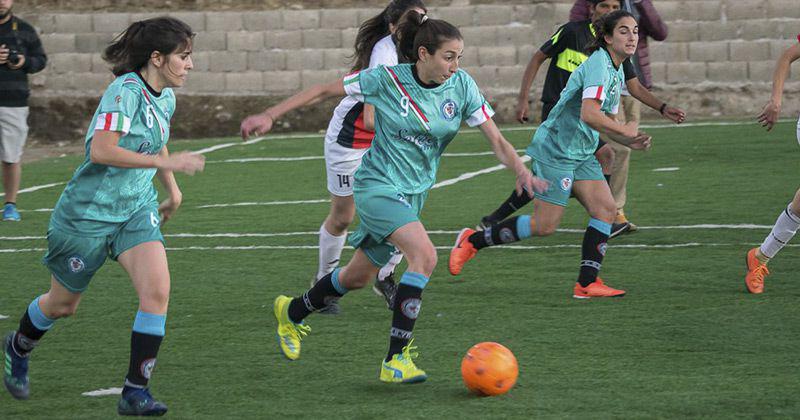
(347, 125)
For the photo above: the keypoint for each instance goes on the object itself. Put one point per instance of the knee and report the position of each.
(424, 262)
(340, 218)
(155, 299)
(605, 212)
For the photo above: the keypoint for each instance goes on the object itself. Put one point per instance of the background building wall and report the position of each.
(717, 61)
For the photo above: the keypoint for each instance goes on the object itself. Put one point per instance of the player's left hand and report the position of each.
(675, 115)
(769, 115)
(642, 141)
(256, 125)
(528, 183)
(18, 65)
(169, 206)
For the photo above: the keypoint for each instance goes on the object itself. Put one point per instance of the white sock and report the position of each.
(330, 250)
(783, 231)
(390, 266)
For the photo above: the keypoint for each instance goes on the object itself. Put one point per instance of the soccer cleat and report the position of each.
(622, 219)
(618, 229)
(10, 213)
(386, 289)
(596, 289)
(462, 251)
(401, 368)
(140, 402)
(289, 333)
(756, 271)
(15, 370)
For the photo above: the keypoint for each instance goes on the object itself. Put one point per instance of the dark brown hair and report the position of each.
(377, 27)
(416, 30)
(605, 26)
(131, 49)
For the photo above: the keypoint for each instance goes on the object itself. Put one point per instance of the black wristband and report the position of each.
(663, 107)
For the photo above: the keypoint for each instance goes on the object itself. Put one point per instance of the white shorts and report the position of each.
(341, 164)
(13, 133)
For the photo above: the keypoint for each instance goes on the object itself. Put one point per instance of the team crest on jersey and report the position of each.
(76, 264)
(449, 109)
(118, 99)
(411, 307)
(147, 368)
(566, 184)
(403, 200)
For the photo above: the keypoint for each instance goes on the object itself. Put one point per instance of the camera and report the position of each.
(13, 57)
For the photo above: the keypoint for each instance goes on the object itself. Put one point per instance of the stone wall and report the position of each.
(718, 59)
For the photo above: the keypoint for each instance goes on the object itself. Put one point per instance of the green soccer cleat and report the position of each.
(401, 369)
(15, 370)
(289, 333)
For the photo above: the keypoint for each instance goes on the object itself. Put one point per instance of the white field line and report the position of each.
(670, 169)
(304, 158)
(103, 392)
(513, 247)
(3, 316)
(430, 232)
(469, 175)
(266, 203)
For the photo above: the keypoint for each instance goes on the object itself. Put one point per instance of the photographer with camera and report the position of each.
(21, 53)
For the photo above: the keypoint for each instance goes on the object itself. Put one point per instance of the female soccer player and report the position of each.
(789, 220)
(418, 110)
(349, 135)
(109, 208)
(562, 153)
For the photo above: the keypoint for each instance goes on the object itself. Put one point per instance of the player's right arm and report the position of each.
(772, 110)
(262, 123)
(105, 150)
(523, 99)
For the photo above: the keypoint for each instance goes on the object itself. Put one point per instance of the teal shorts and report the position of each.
(561, 180)
(382, 210)
(73, 259)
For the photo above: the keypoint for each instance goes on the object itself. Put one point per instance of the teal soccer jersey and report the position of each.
(413, 123)
(99, 196)
(564, 140)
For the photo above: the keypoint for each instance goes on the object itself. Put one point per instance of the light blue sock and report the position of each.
(38, 318)
(152, 324)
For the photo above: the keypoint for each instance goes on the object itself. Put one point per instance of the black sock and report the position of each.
(407, 303)
(144, 349)
(11, 202)
(314, 298)
(27, 336)
(594, 249)
(608, 178)
(504, 232)
(513, 203)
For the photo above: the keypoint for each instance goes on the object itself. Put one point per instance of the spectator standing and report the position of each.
(21, 53)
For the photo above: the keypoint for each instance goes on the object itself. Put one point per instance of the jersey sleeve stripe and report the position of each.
(480, 116)
(113, 121)
(594, 92)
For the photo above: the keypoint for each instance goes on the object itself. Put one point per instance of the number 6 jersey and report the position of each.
(99, 196)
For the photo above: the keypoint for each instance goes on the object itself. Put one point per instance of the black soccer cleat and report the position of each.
(386, 289)
(139, 402)
(619, 229)
(15, 370)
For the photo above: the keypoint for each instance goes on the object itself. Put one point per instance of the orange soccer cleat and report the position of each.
(756, 271)
(462, 251)
(596, 289)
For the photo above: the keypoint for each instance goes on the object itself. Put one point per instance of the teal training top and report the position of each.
(413, 123)
(98, 197)
(564, 140)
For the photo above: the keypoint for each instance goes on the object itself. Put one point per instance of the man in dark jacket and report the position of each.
(21, 53)
(650, 25)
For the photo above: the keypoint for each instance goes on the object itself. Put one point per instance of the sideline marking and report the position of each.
(670, 169)
(103, 392)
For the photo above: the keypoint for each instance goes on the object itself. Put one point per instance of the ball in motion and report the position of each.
(489, 369)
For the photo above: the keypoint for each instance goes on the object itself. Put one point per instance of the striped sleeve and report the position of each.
(595, 92)
(352, 86)
(113, 121)
(481, 115)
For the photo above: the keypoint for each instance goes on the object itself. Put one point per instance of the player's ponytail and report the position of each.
(377, 27)
(417, 30)
(131, 49)
(605, 27)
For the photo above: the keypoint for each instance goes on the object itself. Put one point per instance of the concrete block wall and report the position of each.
(716, 50)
